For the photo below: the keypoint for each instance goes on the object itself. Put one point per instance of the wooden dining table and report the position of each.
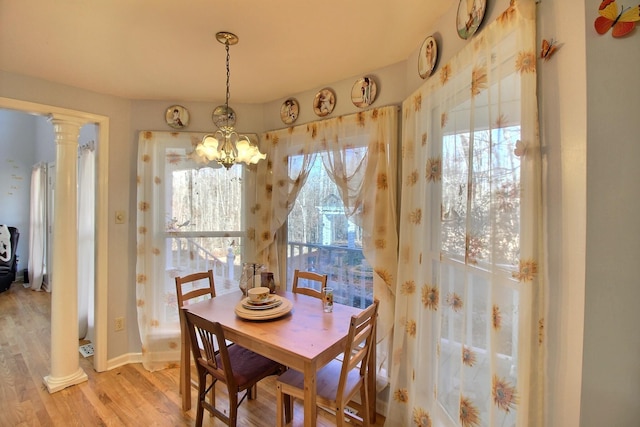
(305, 339)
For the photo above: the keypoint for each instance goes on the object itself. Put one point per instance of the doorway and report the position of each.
(101, 217)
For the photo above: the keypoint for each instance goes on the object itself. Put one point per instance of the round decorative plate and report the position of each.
(427, 57)
(273, 313)
(270, 303)
(324, 102)
(364, 92)
(470, 14)
(177, 116)
(289, 111)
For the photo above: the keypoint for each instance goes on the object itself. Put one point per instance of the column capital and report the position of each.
(67, 128)
(65, 119)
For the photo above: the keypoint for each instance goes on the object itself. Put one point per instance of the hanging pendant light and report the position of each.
(225, 145)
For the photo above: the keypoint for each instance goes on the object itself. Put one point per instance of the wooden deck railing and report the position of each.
(349, 273)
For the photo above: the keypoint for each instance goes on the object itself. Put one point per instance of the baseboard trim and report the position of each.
(125, 359)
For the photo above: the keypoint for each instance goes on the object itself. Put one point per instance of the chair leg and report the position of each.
(233, 408)
(185, 375)
(340, 415)
(364, 398)
(212, 395)
(279, 404)
(283, 400)
(182, 382)
(202, 387)
(252, 393)
(288, 409)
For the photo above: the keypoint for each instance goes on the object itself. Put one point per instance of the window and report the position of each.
(190, 218)
(469, 335)
(326, 200)
(203, 225)
(323, 239)
(476, 242)
(479, 247)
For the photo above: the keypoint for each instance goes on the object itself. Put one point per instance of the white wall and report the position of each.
(25, 140)
(17, 139)
(390, 83)
(45, 147)
(150, 115)
(611, 368)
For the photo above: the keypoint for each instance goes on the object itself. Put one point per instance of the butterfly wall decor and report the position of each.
(548, 48)
(621, 20)
(521, 149)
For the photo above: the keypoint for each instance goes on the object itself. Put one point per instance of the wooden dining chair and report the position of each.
(240, 369)
(307, 286)
(338, 382)
(189, 289)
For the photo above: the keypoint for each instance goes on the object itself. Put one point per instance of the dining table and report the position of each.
(305, 338)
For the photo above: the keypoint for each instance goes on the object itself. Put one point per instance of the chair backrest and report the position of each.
(307, 286)
(190, 289)
(194, 287)
(209, 348)
(8, 256)
(360, 341)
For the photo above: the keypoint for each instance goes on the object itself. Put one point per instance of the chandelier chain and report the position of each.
(226, 46)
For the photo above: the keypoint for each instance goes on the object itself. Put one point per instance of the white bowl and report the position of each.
(260, 294)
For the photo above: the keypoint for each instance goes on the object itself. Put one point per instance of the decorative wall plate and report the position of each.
(177, 116)
(470, 14)
(427, 57)
(324, 102)
(364, 92)
(289, 111)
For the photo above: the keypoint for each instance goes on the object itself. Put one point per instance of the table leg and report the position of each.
(309, 395)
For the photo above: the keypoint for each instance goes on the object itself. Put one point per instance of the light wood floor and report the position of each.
(125, 396)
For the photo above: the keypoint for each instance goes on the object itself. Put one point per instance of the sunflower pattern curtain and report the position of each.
(368, 192)
(469, 345)
(159, 155)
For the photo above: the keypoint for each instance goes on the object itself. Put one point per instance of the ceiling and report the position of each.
(166, 50)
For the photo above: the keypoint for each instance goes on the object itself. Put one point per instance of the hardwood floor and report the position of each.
(125, 396)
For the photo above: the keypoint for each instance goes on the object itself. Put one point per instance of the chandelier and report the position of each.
(225, 145)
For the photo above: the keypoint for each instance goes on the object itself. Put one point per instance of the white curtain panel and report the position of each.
(37, 221)
(469, 344)
(86, 227)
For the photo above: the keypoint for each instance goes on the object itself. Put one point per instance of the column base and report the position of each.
(57, 384)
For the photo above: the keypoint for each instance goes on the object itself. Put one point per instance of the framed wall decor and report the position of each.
(289, 111)
(427, 57)
(324, 102)
(177, 116)
(364, 92)
(470, 14)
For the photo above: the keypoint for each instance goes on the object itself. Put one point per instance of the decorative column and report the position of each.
(65, 358)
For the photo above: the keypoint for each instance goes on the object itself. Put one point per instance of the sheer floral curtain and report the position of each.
(368, 192)
(160, 156)
(469, 341)
(277, 189)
